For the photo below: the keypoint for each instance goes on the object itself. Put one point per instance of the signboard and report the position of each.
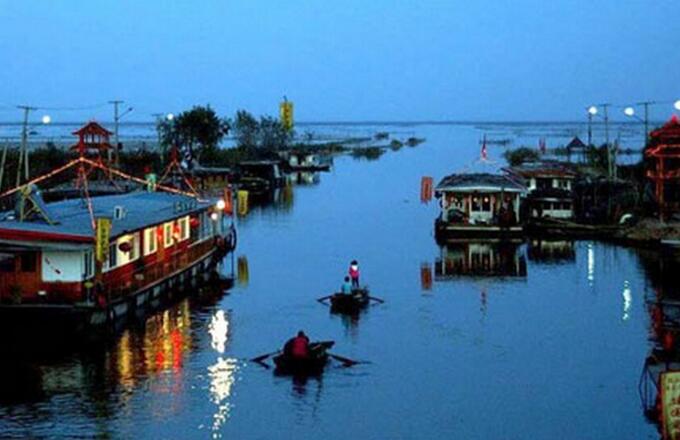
(670, 401)
(102, 235)
(286, 110)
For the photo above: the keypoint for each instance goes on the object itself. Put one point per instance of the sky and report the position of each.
(342, 60)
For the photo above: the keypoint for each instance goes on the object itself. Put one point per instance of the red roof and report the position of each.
(92, 127)
(665, 140)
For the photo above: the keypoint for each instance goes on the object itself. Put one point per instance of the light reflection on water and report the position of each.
(466, 335)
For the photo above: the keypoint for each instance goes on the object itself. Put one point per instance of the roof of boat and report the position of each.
(480, 181)
(72, 220)
(544, 168)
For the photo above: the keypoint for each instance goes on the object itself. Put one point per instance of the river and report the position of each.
(551, 345)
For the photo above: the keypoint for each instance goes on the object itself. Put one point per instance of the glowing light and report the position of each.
(214, 216)
(221, 381)
(629, 111)
(169, 116)
(46, 119)
(592, 110)
(627, 300)
(591, 263)
(677, 104)
(221, 204)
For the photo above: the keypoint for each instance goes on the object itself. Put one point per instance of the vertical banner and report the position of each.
(228, 201)
(242, 202)
(286, 113)
(426, 189)
(102, 235)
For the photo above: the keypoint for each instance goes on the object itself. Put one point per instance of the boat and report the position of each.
(350, 304)
(478, 205)
(311, 366)
(82, 265)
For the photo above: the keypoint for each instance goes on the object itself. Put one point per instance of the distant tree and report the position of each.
(197, 132)
(521, 155)
(246, 129)
(273, 135)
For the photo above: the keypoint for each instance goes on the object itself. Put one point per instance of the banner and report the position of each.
(286, 111)
(102, 235)
(242, 202)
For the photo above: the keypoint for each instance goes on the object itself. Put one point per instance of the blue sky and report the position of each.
(347, 60)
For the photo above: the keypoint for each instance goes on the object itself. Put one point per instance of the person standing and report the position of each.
(354, 273)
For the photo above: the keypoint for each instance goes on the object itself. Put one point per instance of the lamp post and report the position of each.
(593, 110)
(23, 151)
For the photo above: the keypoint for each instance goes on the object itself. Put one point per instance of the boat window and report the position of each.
(167, 234)
(149, 241)
(486, 203)
(134, 243)
(113, 256)
(184, 228)
(88, 264)
(27, 262)
(476, 204)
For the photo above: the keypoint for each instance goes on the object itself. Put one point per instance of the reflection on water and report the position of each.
(551, 251)
(306, 178)
(222, 373)
(482, 259)
(243, 272)
(591, 264)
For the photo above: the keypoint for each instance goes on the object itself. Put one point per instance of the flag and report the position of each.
(483, 155)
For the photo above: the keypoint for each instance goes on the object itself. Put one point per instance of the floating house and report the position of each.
(549, 188)
(663, 154)
(479, 205)
(302, 161)
(85, 263)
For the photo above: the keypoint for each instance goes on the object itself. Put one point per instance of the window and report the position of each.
(134, 243)
(113, 256)
(149, 241)
(88, 265)
(183, 228)
(6, 263)
(167, 234)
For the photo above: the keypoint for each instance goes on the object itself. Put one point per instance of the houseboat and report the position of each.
(84, 264)
(479, 205)
(549, 189)
(301, 161)
(260, 176)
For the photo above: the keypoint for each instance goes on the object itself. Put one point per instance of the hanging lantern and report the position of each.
(125, 247)
(194, 222)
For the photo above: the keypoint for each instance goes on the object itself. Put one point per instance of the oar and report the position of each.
(348, 362)
(377, 299)
(324, 298)
(264, 356)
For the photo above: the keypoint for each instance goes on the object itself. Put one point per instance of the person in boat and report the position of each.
(346, 288)
(354, 273)
(297, 347)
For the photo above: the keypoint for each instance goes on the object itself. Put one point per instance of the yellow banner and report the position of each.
(102, 235)
(242, 197)
(670, 399)
(286, 110)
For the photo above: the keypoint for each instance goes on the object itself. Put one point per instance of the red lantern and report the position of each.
(125, 247)
(194, 222)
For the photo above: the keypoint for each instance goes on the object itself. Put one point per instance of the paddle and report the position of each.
(346, 361)
(381, 301)
(260, 358)
(324, 298)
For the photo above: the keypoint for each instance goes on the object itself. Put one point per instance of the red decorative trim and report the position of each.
(21, 235)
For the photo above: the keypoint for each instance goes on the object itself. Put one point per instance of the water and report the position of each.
(555, 351)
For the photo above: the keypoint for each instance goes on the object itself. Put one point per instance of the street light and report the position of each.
(46, 119)
(677, 104)
(593, 110)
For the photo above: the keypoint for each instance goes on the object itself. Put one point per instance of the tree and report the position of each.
(246, 129)
(197, 132)
(273, 135)
(520, 155)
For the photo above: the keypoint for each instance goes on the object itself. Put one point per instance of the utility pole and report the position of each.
(24, 144)
(590, 129)
(116, 118)
(645, 105)
(605, 108)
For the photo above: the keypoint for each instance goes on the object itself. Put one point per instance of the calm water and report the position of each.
(551, 351)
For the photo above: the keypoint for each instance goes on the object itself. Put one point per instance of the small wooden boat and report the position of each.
(343, 303)
(313, 365)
